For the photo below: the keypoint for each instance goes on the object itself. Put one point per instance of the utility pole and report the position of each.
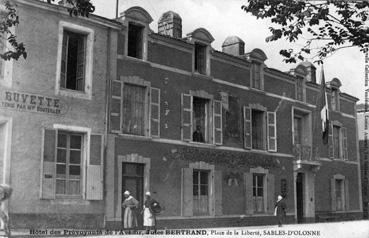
(116, 9)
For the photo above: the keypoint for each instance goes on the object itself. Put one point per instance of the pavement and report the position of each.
(347, 229)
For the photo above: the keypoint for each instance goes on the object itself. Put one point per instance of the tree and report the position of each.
(10, 19)
(333, 24)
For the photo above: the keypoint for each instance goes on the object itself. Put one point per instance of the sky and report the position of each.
(226, 18)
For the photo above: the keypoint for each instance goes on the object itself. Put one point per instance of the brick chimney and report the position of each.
(170, 24)
(233, 45)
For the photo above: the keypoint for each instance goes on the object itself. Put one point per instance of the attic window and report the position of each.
(200, 58)
(135, 40)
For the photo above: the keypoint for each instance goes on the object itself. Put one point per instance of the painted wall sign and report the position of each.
(30, 102)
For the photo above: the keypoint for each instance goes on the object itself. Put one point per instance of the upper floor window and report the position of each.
(200, 58)
(135, 40)
(302, 134)
(257, 76)
(72, 73)
(335, 101)
(300, 88)
(338, 142)
(260, 129)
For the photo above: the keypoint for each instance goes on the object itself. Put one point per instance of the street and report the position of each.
(351, 229)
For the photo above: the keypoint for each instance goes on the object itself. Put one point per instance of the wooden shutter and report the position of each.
(272, 131)
(344, 143)
(48, 165)
(330, 142)
(218, 190)
(247, 139)
(155, 112)
(187, 192)
(270, 193)
(218, 130)
(186, 104)
(333, 194)
(116, 107)
(81, 58)
(347, 195)
(94, 182)
(249, 204)
(63, 63)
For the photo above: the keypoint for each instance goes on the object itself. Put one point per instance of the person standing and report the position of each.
(151, 208)
(130, 216)
(5, 193)
(280, 210)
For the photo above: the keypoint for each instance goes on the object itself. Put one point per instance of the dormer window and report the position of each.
(300, 88)
(135, 40)
(256, 76)
(335, 101)
(257, 58)
(200, 58)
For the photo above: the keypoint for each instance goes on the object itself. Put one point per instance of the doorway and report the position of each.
(300, 197)
(133, 181)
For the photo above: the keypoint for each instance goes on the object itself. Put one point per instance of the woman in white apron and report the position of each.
(149, 218)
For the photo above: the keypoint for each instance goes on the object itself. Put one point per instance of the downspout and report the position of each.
(359, 161)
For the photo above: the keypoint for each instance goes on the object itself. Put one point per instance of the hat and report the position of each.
(127, 193)
(148, 193)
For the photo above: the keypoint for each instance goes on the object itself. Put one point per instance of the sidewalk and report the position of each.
(348, 229)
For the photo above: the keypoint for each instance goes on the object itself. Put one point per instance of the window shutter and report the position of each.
(270, 193)
(63, 63)
(187, 192)
(155, 112)
(81, 58)
(48, 165)
(248, 193)
(344, 143)
(330, 141)
(333, 194)
(218, 188)
(272, 132)
(347, 195)
(218, 130)
(186, 104)
(116, 107)
(94, 184)
(247, 139)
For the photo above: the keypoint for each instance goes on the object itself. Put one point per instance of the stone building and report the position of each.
(102, 106)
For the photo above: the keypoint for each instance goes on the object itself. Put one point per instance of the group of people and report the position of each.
(131, 209)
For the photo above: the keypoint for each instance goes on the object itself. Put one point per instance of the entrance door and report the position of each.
(132, 180)
(300, 197)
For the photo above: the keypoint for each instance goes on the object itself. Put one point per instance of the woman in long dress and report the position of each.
(130, 204)
(149, 218)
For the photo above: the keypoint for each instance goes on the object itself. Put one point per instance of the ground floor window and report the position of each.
(339, 194)
(200, 192)
(258, 192)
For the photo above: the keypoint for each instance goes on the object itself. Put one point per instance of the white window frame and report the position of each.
(207, 58)
(85, 153)
(144, 46)
(87, 92)
(264, 172)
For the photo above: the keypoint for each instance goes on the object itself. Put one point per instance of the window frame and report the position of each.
(335, 100)
(88, 71)
(144, 46)
(207, 66)
(300, 78)
(142, 32)
(254, 65)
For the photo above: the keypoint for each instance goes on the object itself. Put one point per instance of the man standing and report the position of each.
(151, 208)
(280, 210)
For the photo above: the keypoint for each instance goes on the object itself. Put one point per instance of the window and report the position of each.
(260, 131)
(335, 103)
(338, 142)
(72, 73)
(68, 163)
(256, 76)
(302, 134)
(339, 194)
(201, 119)
(297, 130)
(135, 40)
(200, 58)
(300, 88)
(200, 192)
(258, 192)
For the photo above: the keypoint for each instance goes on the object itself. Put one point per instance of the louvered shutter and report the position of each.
(81, 58)
(48, 165)
(63, 63)
(186, 130)
(94, 183)
(344, 143)
(116, 107)
(330, 142)
(347, 195)
(270, 193)
(248, 193)
(218, 130)
(218, 187)
(333, 194)
(187, 192)
(272, 131)
(247, 139)
(155, 112)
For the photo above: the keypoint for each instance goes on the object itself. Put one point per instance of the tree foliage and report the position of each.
(333, 24)
(9, 19)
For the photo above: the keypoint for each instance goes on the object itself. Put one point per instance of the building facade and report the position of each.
(103, 106)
